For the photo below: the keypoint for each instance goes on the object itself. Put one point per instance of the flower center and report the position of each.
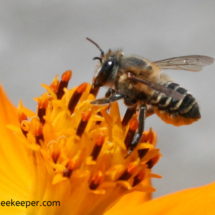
(79, 149)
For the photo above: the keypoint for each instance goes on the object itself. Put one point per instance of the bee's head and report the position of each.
(107, 68)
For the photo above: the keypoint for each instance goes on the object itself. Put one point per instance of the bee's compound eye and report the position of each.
(108, 66)
(106, 71)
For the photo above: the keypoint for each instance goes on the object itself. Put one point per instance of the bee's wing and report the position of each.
(190, 63)
(160, 88)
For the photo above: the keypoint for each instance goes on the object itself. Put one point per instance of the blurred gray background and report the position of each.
(39, 39)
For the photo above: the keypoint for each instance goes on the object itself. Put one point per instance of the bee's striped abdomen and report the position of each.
(177, 112)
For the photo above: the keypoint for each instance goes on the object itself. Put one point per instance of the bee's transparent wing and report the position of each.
(190, 63)
(160, 88)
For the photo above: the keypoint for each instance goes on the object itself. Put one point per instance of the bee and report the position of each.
(142, 86)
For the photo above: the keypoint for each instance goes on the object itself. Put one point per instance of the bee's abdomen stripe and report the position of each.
(164, 101)
(156, 98)
(193, 112)
(176, 104)
(171, 85)
(187, 103)
(181, 90)
(186, 107)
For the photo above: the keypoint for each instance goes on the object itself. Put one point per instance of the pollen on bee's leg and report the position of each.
(132, 167)
(76, 96)
(153, 161)
(138, 178)
(98, 145)
(64, 83)
(131, 132)
(96, 180)
(83, 123)
(42, 105)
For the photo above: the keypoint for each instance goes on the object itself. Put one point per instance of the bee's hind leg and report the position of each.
(138, 134)
(131, 110)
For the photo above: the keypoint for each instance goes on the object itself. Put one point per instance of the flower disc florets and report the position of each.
(78, 150)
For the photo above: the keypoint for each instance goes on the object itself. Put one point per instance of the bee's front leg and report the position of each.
(113, 98)
(139, 131)
(110, 92)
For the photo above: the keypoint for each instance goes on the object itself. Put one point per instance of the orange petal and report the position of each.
(15, 177)
(196, 201)
(7, 109)
(130, 201)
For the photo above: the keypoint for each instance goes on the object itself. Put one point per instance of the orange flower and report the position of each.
(72, 153)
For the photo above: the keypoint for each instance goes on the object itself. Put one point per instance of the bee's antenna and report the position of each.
(98, 58)
(102, 53)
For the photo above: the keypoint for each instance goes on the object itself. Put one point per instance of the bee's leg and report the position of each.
(139, 131)
(110, 92)
(113, 98)
(131, 110)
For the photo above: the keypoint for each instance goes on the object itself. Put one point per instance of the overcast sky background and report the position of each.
(39, 39)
